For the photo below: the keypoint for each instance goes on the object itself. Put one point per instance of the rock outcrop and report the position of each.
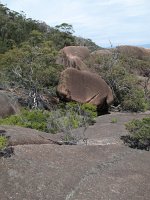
(8, 105)
(25, 136)
(102, 52)
(101, 169)
(74, 56)
(133, 51)
(84, 87)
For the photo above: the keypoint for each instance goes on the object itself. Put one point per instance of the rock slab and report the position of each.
(92, 172)
(8, 105)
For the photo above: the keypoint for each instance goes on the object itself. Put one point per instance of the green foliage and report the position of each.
(114, 120)
(71, 116)
(139, 129)
(85, 109)
(35, 119)
(89, 109)
(61, 39)
(3, 142)
(15, 28)
(134, 101)
(134, 65)
(63, 119)
(29, 66)
(29, 49)
(126, 90)
(117, 71)
(36, 37)
(64, 27)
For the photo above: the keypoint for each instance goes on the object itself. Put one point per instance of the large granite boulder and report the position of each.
(84, 87)
(74, 56)
(8, 105)
(102, 52)
(133, 51)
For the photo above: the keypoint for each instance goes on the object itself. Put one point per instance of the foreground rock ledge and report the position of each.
(53, 172)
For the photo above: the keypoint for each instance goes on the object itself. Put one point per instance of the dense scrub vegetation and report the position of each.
(123, 74)
(63, 119)
(72, 114)
(3, 141)
(5, 150)
(139, 133)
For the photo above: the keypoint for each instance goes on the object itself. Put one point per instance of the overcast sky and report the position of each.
(120, 21)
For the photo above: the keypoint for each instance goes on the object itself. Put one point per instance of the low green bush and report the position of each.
(120, 72)
(89, 109)
(3, 142)
(114, 120)
(71, 116)
(139, 129)
(35, 119)
(63, 119)
(139, 134)
(86, 109)
(134, 101)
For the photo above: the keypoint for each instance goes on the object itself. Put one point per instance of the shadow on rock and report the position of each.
(136, 143)
(7, 151)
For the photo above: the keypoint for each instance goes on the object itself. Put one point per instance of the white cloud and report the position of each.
(99, 20)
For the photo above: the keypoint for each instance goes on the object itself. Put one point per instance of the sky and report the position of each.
(119, 21)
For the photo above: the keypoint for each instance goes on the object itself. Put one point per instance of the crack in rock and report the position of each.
(102, 142)
(100, 167)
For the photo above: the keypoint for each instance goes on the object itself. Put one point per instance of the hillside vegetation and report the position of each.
(28, 53)
(29, 49)
(127, 71)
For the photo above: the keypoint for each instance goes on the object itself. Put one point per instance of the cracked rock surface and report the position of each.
(104, 169)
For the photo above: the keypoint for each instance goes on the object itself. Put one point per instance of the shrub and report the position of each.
(125, 88)
(139, 133)
(140, 129)
(120, 72)
(114, 120)
(35, 119)
(69, 117)
(3, 142)
(90, 109)
(134, 101)
(63, 119)
(86, 109)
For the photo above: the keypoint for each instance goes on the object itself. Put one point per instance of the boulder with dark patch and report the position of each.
(84, 87)
(8, 105)
(74, 56)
